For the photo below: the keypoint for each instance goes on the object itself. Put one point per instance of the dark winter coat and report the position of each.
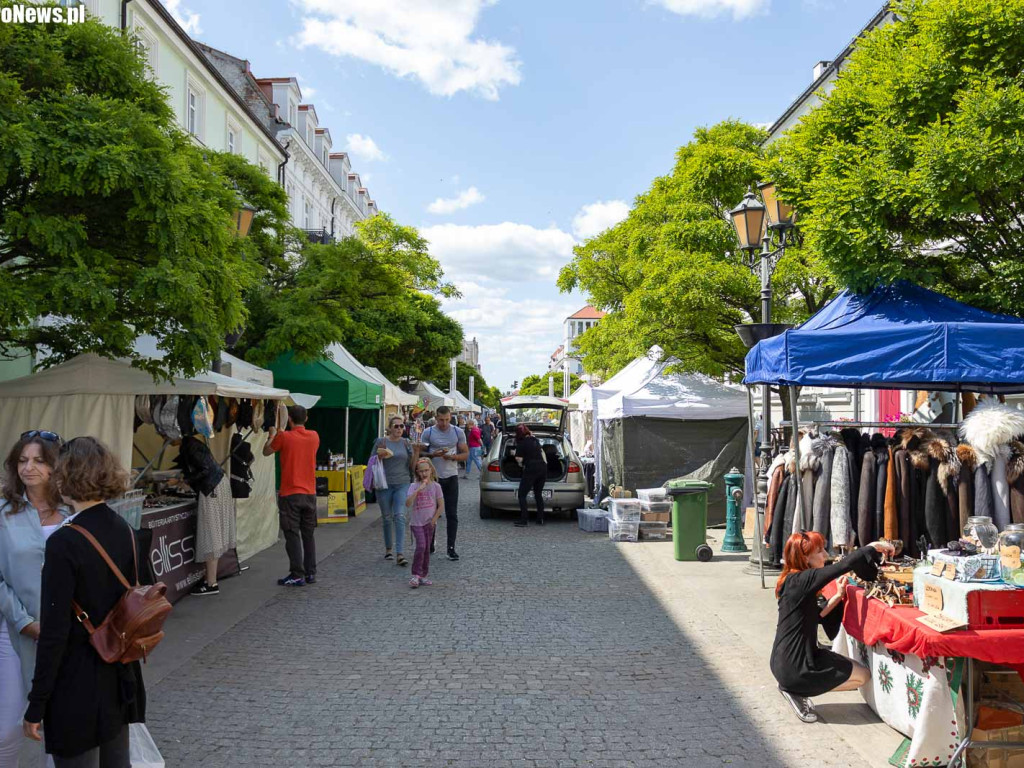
(866, 500)
(782, 523)
(965, 482)
(851, 439)
(822, 506)
(841, 493)
(1015, 477)
(880, 448)
(983, 504)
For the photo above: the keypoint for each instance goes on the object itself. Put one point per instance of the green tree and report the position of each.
(537, 384)
(670, 274)
(112, 223)
(913, 165)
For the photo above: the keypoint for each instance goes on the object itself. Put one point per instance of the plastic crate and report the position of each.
(129, 507)
(654, 531)
(623, 531)
(652, 494)
(656, 506)
(625, 510)
(593, 520)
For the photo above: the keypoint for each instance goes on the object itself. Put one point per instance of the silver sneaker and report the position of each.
(802, 706)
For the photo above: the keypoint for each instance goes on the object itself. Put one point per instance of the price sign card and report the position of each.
(938, 567)
(932, 602)
(940, 622)
(949, 572)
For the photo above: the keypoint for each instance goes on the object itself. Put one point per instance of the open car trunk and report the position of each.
(553, 453)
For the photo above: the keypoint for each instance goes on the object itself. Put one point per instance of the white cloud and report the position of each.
(189, 20)
(465, 198)
(508, 251)
(428, 40)
(595, 218)
(364, 148)
(739, 9)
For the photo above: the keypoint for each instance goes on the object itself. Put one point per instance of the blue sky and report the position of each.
(507, 130)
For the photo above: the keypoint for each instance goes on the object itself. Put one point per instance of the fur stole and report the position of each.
(1015, 464)
(967, 457)
(989, 426)
(948, 463)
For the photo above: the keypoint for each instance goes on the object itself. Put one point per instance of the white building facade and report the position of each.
(470, 353)
(574, 325)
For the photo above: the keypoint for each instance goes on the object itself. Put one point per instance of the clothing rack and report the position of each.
(875, 424)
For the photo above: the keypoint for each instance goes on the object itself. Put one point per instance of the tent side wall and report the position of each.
(640, 452)
(329, 423)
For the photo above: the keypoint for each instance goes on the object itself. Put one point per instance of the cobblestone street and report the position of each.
(541, 647)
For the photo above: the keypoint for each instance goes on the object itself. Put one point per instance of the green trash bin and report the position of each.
(690, 519)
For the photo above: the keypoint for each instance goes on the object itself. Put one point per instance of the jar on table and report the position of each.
(1011, 542)
(983, 532)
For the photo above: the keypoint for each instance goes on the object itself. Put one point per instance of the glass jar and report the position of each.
(1011, 542)
(982, 531)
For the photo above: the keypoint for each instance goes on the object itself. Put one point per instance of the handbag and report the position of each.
(134, 626)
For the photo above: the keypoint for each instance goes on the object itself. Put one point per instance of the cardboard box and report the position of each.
(997, 758)
(337, 508)
(750, 522)
(656, 517)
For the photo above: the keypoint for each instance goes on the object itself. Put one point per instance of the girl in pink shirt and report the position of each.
(426, 501)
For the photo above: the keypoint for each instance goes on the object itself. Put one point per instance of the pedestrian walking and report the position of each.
(395, 454)
(296, 498)
(446, 447)
(426, 500)
(475, 441)
(486, 436)
(83, 703)
(801, 668)
(530, 456)
(31, 511)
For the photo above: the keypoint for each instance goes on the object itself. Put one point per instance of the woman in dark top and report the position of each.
(801, 668)
(530, 456)
(84, 704)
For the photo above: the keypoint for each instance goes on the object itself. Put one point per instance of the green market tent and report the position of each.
(350, 401)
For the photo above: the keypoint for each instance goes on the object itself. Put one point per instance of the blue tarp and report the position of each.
(898, 336)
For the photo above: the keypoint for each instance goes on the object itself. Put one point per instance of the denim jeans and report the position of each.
(392, 514)
(474, 458)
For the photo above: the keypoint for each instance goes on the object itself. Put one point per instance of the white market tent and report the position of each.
(393, 395)
(92, 395)
(462, 403)
(581, 419)
(432, 397)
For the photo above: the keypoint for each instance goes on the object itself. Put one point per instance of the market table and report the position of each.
(916, 673)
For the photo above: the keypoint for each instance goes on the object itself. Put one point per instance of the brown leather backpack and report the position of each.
(134, 626)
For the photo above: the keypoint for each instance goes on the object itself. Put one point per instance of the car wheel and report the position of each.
(486, 513)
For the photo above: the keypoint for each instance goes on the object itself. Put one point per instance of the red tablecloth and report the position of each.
(872, 621)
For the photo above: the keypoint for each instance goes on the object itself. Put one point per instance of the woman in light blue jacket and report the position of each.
(30, 512)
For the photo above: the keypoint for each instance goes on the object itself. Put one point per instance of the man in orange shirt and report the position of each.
(296, 499)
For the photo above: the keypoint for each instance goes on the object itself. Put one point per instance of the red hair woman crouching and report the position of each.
(801, 668)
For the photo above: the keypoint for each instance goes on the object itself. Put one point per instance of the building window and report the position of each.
(194, 108)
(306, 214)
(146, 44)
(231, 141)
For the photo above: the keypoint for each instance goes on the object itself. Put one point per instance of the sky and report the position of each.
(508, 131)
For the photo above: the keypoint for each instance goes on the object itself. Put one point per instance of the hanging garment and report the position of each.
(1000, 488)
(891, 525)
(776, 473)
(785, 508)
(866, 500)
(965, 482)
(880, 447)
(165, 418)
(840, 524)
(202, 417)
(983, 490)
(200, 470)
(822, 503)
(942, 450)
(242, 459)
(851, 439)
(186, 404)
(269, 414)
(809, 464)
(257, 415)
(244, 420)
(901, 460)
(1015, 479)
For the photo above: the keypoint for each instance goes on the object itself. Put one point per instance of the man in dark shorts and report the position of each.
(296, 499)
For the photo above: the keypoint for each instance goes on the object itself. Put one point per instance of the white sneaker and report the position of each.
(414, 582)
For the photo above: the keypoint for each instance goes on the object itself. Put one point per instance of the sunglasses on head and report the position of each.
(42, 434)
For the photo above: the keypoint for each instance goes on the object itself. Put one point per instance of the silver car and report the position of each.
(547, 418)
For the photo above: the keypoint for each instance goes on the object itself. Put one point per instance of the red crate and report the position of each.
(995, 609)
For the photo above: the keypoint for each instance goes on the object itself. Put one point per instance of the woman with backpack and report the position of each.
(394, 452)
(84, 703)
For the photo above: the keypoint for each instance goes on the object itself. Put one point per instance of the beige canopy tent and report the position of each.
(394, 398)
(432, 397)
(91, 395)
(462, 403)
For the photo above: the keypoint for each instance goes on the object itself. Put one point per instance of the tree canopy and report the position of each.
(112, 223)
(537, 384)
(670, 273)
(913, 165)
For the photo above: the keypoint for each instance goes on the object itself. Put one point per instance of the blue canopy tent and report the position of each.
(898, 336)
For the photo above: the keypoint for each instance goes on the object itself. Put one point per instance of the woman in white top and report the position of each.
(30, 512)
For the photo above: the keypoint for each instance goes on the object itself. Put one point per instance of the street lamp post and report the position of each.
(757, 226)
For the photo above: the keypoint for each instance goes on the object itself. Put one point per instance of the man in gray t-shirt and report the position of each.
(446, 447)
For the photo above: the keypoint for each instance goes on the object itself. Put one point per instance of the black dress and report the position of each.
(797, 662)
(81, 700)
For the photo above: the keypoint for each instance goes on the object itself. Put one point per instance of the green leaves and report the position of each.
(913, 166)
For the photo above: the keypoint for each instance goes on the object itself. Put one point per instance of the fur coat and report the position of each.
(1015, 479)
(965, 482)
(841, 499)
(880, 448)
(989, 429)
(822, 506)
(866, 500)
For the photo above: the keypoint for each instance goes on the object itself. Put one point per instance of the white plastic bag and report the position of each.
(380, 480)
(144, 753)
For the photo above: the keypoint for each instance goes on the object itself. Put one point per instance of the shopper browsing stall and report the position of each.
(801, 668)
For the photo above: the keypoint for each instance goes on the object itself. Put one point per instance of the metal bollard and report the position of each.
(733, 541)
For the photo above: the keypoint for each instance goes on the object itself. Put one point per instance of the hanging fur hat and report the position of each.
(989, 426)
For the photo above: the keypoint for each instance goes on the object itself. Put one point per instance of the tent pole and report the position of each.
(347, 457)
(758, 544)
(155, 461)
(795, 418)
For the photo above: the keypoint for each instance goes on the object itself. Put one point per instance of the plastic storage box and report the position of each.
(656, 506)
(652, 531)
(619, 530)
(593, 520)
(129, 507)
(653, 494)
(625, 510)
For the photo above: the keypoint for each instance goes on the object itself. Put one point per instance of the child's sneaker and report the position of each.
(414, 582)
(425, 582)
